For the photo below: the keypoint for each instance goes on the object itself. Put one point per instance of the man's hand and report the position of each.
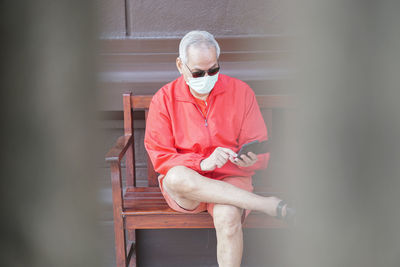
(217, 159)
(246, 160)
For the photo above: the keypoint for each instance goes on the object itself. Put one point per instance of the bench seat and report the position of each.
(146, 208)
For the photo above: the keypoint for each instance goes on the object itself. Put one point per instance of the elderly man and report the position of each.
(195, 125)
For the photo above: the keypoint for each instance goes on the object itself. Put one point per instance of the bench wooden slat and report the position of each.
(137, 191)
(142, 189)
(128, 131)
(151, 173)
(264, 101)
(167, 220)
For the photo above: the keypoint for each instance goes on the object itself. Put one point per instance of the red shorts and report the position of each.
(244, 183)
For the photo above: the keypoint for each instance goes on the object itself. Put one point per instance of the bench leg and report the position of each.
(119, 231)
(120, 243)
(131, 248)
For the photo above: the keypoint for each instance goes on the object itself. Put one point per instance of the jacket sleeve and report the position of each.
(160, 142)
(254, 128)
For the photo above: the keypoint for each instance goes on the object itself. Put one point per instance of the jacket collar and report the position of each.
(183, 92)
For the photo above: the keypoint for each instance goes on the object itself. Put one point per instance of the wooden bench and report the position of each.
(144, 207)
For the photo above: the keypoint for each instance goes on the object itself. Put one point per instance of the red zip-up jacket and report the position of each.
(177, 133)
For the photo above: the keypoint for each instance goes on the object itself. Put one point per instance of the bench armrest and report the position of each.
(114, 156)
(117, 152)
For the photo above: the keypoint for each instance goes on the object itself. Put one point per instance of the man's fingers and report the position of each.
(220, 162)
(229, 151)
(246, 159)
(237, 161)
(223, 155)
(240, 162)
(252, 156)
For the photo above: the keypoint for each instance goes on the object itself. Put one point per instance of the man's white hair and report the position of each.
(196, 38)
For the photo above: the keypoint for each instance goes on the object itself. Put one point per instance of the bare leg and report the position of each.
(188, 188)
(228, 226)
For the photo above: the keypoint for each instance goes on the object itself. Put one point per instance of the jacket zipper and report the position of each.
(205, 121)
(201, 113)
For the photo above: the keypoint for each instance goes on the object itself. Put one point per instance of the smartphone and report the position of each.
(256, 147)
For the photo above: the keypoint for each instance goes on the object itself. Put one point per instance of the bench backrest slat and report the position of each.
(151, 173)
(264, 101)
(128, 130)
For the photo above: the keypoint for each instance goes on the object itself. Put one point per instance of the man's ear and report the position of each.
(179, 65)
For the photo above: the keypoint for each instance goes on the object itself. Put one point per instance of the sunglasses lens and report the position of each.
(212, 72)
(198, 74)
(201, 73)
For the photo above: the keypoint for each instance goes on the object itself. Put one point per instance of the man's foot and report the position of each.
(286, 213)
(271, 204)
(279, 208)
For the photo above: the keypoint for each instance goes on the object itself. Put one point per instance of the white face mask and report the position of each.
(203, 85)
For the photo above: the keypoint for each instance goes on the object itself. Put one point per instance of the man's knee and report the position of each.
(227, 219)
(178, 180)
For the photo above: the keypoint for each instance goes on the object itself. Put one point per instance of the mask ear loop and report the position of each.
(202, 72)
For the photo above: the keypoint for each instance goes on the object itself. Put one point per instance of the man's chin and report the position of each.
(197, 95)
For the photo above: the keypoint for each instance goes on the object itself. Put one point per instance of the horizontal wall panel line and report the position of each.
(240, 43)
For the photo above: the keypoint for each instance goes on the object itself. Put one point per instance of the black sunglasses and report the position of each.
(201, 73)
